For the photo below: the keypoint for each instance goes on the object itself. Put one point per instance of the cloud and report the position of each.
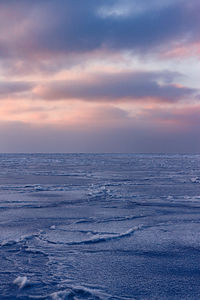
(185, 118)
(56, 112)
(13, 88)
(134, 86)
(40, 28)
(182, 52)
(104, 87)
(149, 133)
(46, 36)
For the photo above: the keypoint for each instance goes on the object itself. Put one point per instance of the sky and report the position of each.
(100, 76)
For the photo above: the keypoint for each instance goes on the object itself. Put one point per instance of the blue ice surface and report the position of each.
(99, 226)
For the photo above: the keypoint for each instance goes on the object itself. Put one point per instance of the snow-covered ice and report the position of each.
(99, 226)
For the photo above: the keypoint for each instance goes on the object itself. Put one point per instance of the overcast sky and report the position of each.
(100, 76)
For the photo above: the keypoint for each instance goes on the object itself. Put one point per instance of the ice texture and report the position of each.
(99, 226)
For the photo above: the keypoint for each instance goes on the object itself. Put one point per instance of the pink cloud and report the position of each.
(184, 51)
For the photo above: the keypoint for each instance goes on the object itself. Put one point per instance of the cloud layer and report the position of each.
(156, 86)
(37, 28)
(117, 75)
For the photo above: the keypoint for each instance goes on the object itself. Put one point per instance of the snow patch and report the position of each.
(21, 281)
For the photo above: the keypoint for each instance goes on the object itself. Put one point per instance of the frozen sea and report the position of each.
(99, 226)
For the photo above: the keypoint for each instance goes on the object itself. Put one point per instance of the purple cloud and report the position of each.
(116, 87)
(12, 88)
(37, 28)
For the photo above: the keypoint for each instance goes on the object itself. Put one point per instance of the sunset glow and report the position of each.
(76, 71)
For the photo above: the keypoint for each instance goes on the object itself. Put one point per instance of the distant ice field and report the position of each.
(99, 226)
